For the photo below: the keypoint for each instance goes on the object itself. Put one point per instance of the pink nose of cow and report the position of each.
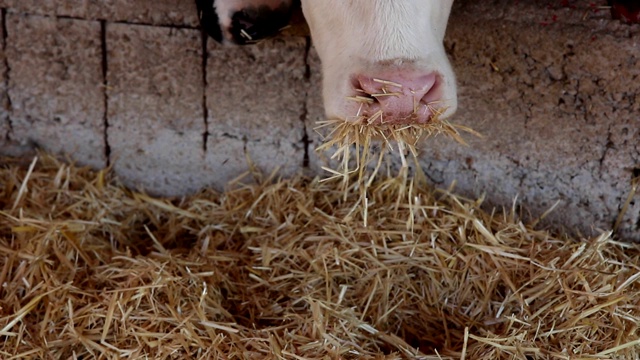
(399, 98)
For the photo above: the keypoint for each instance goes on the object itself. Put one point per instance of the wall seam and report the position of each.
(105, 88)
(205, 109)
(6, 101)
(304, 116)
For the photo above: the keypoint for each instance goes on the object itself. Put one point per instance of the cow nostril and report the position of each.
(245, 26)
(374, 90)
(433, 96)
(425, 88)
(256, 23)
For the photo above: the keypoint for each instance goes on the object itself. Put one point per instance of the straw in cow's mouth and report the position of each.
(354, 140)
(368, 113)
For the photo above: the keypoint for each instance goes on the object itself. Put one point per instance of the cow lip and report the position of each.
(367, 108)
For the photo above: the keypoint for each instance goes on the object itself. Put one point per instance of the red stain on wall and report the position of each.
(625, 10)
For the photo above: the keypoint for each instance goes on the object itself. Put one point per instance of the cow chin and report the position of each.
(383, 57)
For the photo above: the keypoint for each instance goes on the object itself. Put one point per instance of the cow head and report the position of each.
(388, 54)
(382, 60)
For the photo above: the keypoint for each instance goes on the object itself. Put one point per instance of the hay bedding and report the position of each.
(298, 269)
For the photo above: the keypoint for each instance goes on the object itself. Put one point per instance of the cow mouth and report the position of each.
(380, 108)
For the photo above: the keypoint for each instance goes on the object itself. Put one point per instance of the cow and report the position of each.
(382, 60)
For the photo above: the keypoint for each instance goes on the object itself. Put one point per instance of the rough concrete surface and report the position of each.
(553, 86)
(155, 114)
(7, 145)
(56, 85)
(559, 105)
(151, 12)
(260, 116)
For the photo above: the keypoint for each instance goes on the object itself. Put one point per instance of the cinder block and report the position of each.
(541, 12)
(8, 146)
(155, 107)
(256, 100)
(558, 120)
(71, 8)
(56, 86)
(153, 12)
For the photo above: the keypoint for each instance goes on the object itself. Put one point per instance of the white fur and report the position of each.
(377, 36)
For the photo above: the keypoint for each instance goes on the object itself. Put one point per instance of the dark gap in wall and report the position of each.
(305, 136)
(245, 141)
(205, 109)
(105, 86)
(635, 173)
(306, 141)
(6, 100)
(307, 51)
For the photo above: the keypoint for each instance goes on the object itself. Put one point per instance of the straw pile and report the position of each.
(288, 270)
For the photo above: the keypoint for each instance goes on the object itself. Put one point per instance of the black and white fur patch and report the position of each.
(243, 21)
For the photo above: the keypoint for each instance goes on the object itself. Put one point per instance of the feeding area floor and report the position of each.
(297, 269)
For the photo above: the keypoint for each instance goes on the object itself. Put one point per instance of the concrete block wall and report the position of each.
(556, 91)
(130, 84)
(56, 86)
(553, 86)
